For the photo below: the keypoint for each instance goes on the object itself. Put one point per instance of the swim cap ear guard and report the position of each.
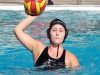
(57, 21)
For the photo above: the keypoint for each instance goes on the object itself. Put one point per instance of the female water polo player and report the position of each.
(54, 55)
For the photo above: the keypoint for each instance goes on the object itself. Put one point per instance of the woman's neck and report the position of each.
(53, 50)
(53, 47)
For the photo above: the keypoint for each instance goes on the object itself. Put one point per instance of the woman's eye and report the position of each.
(54, 30)
(61, 30)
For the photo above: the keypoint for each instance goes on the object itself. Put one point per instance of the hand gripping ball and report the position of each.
(34, 7)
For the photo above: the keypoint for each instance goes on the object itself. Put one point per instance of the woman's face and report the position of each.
(57, 34)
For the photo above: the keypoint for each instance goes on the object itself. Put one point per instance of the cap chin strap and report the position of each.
(57, 48)
(57, 51)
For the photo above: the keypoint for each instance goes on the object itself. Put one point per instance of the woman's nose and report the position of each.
(57, 33)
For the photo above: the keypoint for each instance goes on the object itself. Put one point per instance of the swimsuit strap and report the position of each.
(42, 57)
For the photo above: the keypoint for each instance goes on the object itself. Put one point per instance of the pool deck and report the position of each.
(58, 5)
(56, 2)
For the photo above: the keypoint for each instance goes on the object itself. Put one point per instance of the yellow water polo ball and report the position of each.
(34, 7)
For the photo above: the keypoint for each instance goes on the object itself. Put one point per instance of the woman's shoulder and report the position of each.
(72, 58)
(70, 55)
(40, 46)
(39, 49)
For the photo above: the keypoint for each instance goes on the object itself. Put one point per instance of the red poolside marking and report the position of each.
(41, 24)
(38, 31)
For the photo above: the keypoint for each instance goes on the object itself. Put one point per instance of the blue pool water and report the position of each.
(83, 41)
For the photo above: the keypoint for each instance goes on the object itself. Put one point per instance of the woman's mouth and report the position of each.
(57, 38)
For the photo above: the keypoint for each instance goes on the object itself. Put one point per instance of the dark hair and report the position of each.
(57, 21)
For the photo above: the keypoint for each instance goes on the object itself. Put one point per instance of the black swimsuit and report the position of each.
(49, 62)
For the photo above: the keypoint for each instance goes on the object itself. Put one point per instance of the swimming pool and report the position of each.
(83, 41)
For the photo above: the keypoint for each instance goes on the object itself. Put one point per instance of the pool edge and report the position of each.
(19, 7)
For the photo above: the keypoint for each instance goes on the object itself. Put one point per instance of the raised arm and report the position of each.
(24, 38)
